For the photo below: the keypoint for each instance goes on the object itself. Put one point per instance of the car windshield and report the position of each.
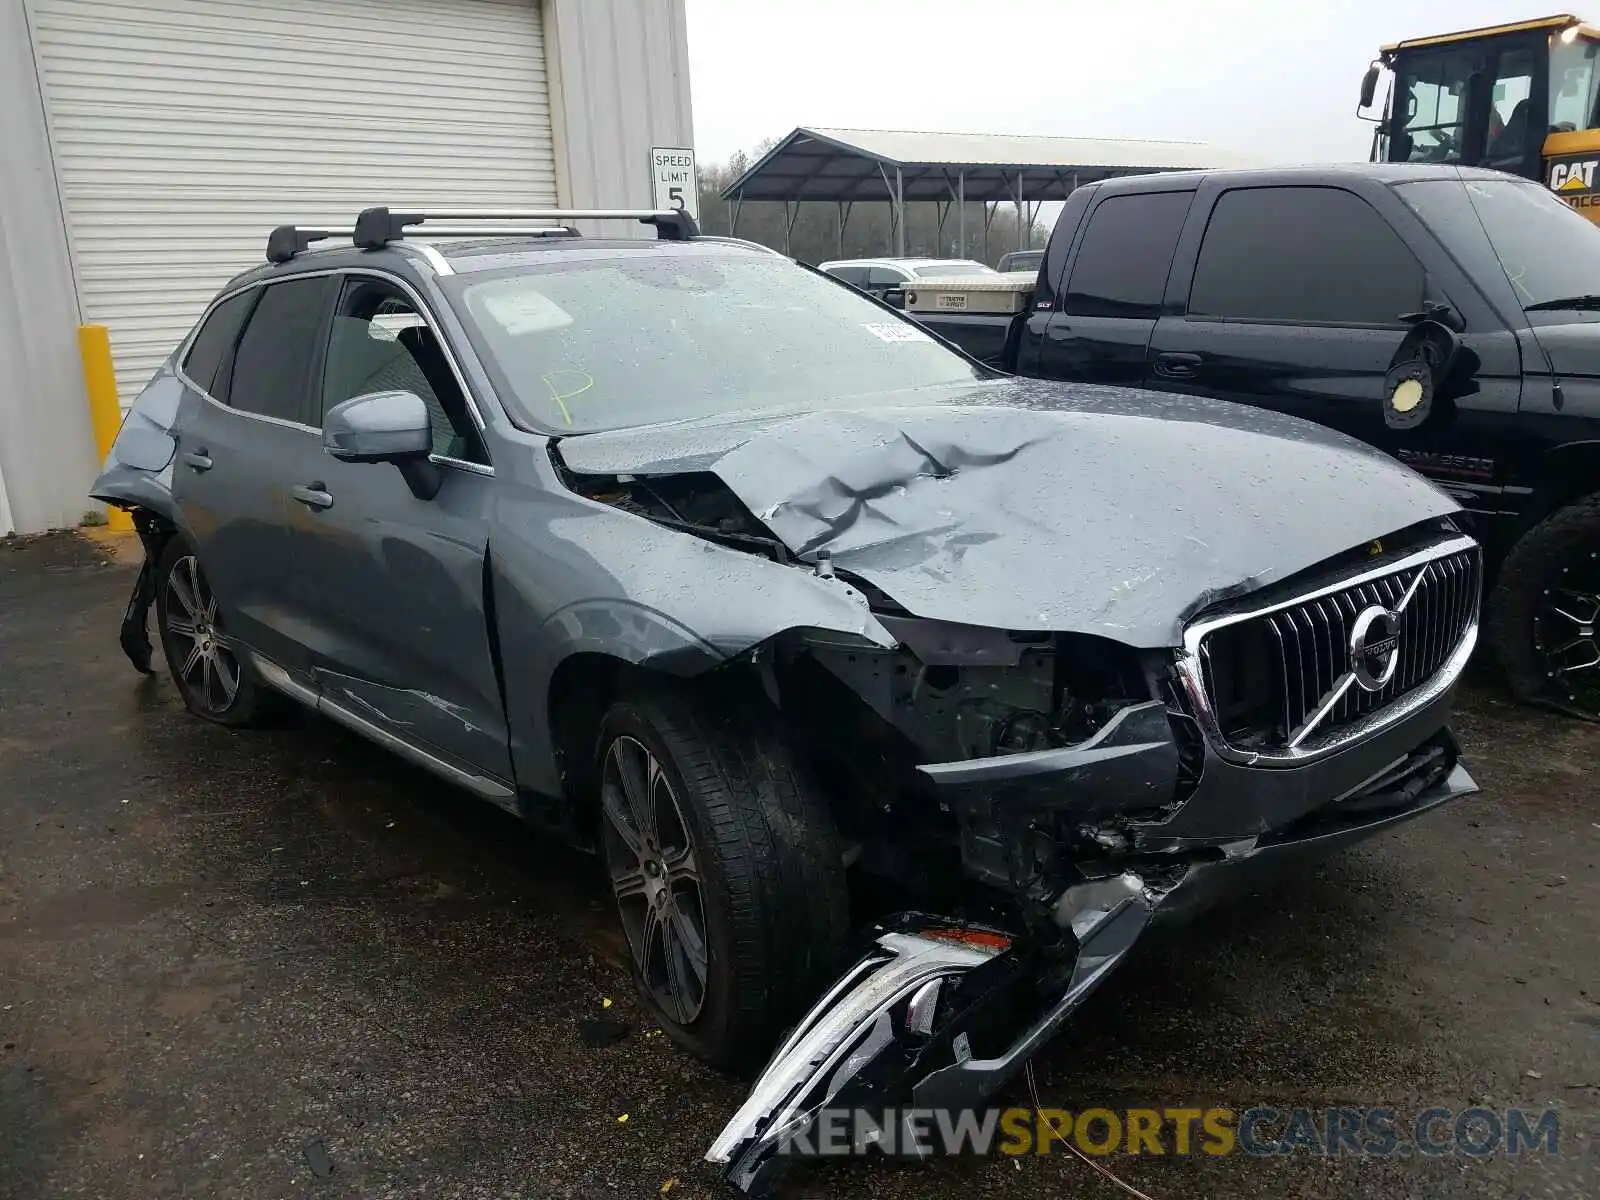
(1546, 249)
(580, 345)
(953, 268)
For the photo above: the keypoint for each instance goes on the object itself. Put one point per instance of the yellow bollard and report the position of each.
(100, 381)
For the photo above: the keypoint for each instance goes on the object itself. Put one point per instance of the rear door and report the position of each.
(391, 588)
(1111, 299)
(244, 425)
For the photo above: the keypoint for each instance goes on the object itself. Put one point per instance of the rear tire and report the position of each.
(729, 874)
(215, 680)
(1545, 609)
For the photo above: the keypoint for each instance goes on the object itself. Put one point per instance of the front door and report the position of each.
(392, 587)
(1296, 304)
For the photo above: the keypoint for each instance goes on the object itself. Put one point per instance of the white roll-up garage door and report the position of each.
(183, 130)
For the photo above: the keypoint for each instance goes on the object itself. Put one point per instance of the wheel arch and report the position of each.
(582, 688)
(1568, 473)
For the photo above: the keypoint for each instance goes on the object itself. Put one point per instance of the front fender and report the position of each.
(596, 580)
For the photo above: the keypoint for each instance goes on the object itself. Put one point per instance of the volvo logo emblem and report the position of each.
(1375, 647)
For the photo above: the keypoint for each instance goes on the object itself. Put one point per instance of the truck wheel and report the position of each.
(215, 681)
(726, 867)
(1544, 612)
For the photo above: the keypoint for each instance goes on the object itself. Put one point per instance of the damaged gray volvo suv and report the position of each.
(732, 574)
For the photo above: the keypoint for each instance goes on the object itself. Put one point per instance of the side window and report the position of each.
(215, 341)
(272, 365)
(1430, 98)
(854, 276)
(381, 343)
(884, 277)
(1122, 262)
(1310, 254)
(1514, 126)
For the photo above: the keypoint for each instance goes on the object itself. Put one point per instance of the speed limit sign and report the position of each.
(672, 176)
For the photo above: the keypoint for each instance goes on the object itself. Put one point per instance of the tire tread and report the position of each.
(1514, 602)
(777, 850)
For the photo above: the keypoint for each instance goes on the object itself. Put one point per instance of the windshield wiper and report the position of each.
(1575, 303)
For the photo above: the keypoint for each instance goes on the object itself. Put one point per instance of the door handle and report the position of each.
(197, 460)
(312, 495)
(1178, 366)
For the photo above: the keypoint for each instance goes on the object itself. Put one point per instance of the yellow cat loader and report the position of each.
(1519, 98)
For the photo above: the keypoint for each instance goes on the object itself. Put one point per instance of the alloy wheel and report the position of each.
(203, 657)
(1565, 635)
(655, 874)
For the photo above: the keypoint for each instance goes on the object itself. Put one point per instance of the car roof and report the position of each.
(1309, 174)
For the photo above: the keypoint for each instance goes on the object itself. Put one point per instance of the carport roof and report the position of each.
(858, 164)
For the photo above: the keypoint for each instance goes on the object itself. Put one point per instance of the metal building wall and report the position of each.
(182, 130)
(619, 84)
(47, 457)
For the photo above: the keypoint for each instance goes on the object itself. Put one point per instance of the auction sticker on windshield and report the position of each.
(520, 310)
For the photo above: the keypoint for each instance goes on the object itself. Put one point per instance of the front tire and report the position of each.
(726, 866)
(213, 677)
(1544, 612)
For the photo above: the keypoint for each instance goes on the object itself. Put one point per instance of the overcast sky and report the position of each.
(1278, 79)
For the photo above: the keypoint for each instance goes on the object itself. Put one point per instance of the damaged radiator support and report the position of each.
(938, 1014)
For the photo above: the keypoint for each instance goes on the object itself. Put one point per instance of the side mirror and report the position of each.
(895, 297)
(385, 427)
(1369, 86)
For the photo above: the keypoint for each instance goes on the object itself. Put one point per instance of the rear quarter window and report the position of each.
(214, 341)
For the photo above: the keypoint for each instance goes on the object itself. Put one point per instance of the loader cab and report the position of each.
(1519, 98)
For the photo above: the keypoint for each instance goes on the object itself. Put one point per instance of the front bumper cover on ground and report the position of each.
(911, 1021)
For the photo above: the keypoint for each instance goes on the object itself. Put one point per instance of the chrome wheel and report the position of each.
(650, 855)
(1564, 634)
(202, 657)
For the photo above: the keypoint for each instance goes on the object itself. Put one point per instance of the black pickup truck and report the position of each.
(1448, 316)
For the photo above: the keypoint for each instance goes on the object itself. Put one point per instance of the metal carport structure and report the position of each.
(949, 169)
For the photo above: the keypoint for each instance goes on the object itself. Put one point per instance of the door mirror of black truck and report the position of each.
(1369, 86)
(1436, 308)
(894, 297)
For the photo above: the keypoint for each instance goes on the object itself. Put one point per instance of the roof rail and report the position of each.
(377, 227)
(284, 242)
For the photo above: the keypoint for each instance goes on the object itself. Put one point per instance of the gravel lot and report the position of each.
(285, 964)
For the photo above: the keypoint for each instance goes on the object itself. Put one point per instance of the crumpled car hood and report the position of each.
(1025, 505)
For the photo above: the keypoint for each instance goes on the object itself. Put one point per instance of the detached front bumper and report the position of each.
(942, 1017)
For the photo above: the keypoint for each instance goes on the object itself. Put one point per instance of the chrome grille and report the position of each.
(1280, 682)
